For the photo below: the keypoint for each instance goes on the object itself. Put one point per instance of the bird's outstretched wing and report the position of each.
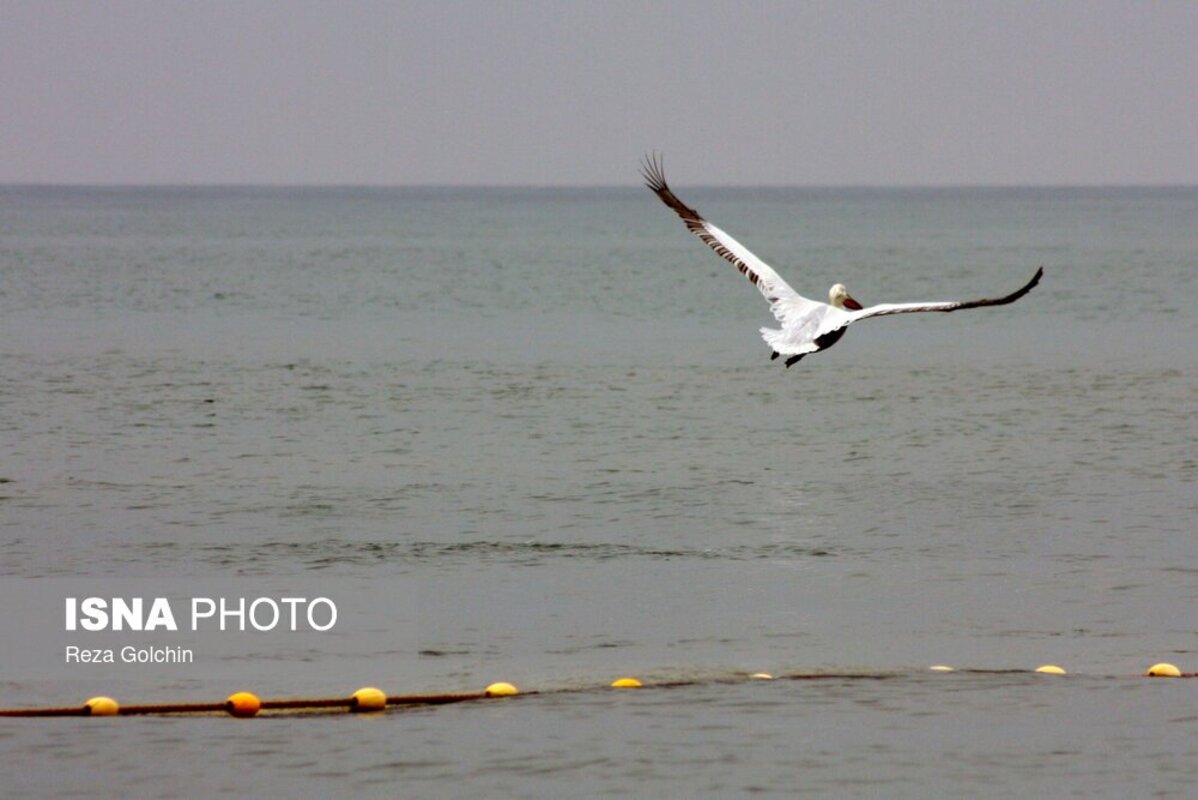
(884, 309)
(784, 301)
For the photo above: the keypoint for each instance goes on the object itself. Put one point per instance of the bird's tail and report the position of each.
(784, 345)
(775, 339)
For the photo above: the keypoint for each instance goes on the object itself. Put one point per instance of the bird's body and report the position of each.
(808, 326)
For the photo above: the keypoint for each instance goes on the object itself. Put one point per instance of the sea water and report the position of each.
(549, 416)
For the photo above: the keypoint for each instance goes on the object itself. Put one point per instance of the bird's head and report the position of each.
(839, 297)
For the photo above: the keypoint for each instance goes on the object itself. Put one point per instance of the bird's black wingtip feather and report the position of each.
(1021, 291)
(1034, 281)
(652, 171)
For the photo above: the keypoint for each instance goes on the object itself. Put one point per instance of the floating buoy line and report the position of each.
(371, 700)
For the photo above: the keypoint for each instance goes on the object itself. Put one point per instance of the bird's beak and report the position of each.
(852, 304)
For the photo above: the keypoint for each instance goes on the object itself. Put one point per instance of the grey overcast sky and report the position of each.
(568, 93)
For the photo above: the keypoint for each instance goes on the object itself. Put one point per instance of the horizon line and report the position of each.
(7, 184)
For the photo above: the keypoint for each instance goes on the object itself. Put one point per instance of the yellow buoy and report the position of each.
(368, 698)
(1050, 669)
(243, 704)
(1163, 670)
(102, 707)
(940, 668)
(762, 676)
(501, 689)
(626, 683)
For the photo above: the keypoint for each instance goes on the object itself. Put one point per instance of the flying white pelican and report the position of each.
(808, 326)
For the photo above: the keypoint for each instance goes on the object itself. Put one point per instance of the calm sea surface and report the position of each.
(548, 414)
